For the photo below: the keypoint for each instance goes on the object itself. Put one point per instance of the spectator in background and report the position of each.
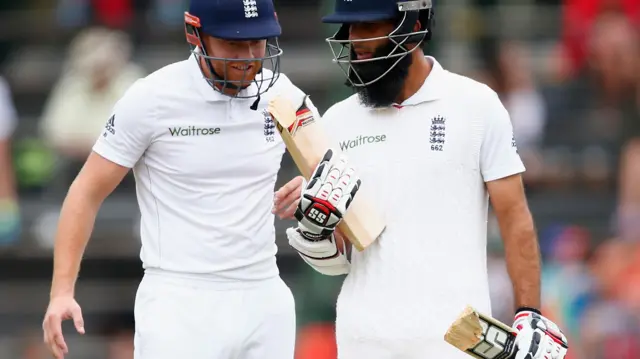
(32, 348)
(513, 81)
(119, 331)
(9, 215)
(111, 13)
(628, 212)
(120, 345)
(98, 72)
(596, 112)
(609, 328)
(509, 73)
(317, 341)
(169, 12)
(578, 16)
(566, 281)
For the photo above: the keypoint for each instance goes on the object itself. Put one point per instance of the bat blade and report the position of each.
(481, 336)
(307, 143)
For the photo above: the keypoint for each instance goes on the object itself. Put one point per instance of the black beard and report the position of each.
(384, 91)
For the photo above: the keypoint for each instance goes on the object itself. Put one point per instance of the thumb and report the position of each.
(76, 314)
(303, 185)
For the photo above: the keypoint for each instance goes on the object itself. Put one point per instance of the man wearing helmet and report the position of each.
(205, 157)
(451, 138)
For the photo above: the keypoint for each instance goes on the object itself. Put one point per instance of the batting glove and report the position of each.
(323, 203)
(538, 337)
(326, 198)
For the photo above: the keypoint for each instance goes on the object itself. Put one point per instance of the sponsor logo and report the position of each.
(193, 131)
(437, 133)
(110, 127)
(362, 140)
(269, 127)
(250, 8)
(304, 118)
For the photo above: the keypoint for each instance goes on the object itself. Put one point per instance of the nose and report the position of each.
(355, 32)
(247, 51)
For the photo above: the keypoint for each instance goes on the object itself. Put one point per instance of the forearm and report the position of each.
(523, 258)
(76, 223)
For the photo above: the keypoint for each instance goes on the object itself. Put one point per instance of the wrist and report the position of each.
(62, 288)
(61, 294)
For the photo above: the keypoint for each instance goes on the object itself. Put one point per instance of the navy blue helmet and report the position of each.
(235, 20)
(406, 15)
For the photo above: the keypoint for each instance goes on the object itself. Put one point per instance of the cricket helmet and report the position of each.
(236, 20)
(405, 13)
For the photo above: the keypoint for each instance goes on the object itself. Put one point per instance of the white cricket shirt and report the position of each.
(424, 164)
(205, 167)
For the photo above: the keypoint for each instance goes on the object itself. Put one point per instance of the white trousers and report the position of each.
(184, 317)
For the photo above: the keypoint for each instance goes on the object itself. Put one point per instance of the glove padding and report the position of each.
(326, 197)
(324, 256)
(538, 337)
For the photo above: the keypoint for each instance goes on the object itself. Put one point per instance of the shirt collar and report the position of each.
(431, 88)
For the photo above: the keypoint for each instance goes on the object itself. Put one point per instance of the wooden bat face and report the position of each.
(307, 144)
(481, 336)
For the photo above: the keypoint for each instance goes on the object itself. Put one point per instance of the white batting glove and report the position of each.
(324, 256)
(538, 337)
(323, 203)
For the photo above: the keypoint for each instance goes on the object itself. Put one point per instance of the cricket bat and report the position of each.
(481, 336)
(307, 144)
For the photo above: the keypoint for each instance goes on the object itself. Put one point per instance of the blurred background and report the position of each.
(568, 71)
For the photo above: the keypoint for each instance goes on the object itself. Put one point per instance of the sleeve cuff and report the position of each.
(503, 172)
(109, 154)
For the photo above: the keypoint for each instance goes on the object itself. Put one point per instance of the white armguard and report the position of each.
(323, 256)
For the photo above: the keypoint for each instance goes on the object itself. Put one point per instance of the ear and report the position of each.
(417, 26)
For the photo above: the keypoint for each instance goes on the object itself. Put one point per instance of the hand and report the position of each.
(326, 198)
(286, 199)
(60, 308)
(538, 337)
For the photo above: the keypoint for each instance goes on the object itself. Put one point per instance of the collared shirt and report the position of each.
(205, 166)
(424, 164)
